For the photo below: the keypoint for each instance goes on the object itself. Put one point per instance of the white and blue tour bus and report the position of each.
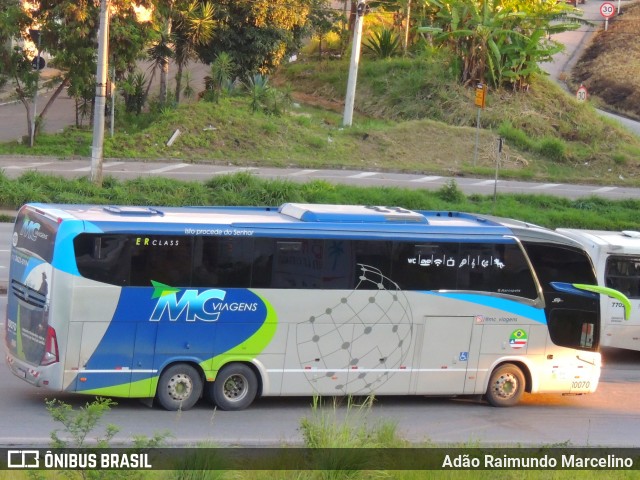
(234, 303)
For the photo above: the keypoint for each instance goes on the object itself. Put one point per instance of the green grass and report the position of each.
(246, 189)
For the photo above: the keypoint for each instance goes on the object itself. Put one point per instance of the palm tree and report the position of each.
(193, 27)
(159, 54)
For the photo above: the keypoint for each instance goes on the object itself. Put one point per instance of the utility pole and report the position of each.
(353, 66)
(101, 96)
(406, 27)
(112, 92)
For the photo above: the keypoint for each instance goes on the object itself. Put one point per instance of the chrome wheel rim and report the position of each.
(180, 387)
(235, 387)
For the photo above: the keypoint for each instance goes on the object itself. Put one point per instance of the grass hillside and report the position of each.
(610, 67)
(411, 115)
(549, 135)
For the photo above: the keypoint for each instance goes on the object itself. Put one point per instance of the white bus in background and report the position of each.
(616, 257)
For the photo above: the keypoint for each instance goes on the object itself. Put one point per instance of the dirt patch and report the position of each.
(610, 66)
(317, 101)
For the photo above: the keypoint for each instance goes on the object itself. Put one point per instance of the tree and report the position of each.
(15, 63)
(500, 41)
(258, 34)
(69, 32)
(159, 53)
(193, 26)
(322, 20)
(162, 49)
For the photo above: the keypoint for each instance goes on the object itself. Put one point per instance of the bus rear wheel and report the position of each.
(235, 387)
(506, 386)
(179, 387)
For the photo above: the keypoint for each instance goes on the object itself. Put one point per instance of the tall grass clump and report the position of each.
(553, 148)
(330, 426)
(342, 436)
(516, 136)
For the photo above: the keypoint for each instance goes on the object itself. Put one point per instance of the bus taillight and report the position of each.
(51, 348)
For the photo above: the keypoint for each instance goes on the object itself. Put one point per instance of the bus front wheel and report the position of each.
(235, 387)
(506, 386)
(179, 387)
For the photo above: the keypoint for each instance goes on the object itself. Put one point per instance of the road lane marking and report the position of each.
(485, 182)
(168, 168)
(27, 166)
(545, 186)
(363, 175)
(604, 189)
(302, 172)
(430, 178)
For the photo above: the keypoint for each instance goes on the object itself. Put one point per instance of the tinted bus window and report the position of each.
(161, 258)
(223, 262)
(486, 267)
(555, 263)
(499, 268)
(426, 267)
(623, 274)
(372, 267)
(243, 262)
(132, 260)
(313, 263)
(104, 258)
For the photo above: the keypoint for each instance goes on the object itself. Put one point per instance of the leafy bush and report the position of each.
(553, 148)
(134, 92)
(383, 44)
(515, 136)
(450, 192)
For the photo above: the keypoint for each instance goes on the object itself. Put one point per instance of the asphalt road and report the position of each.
(14, 167)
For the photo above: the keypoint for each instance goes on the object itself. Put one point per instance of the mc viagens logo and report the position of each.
(190, 305)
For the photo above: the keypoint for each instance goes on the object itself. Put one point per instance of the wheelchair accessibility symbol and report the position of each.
(464, 356)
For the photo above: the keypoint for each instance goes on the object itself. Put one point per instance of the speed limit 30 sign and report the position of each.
(607, 10)
(581, 94)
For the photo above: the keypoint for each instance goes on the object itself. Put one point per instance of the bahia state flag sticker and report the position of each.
(518, 339)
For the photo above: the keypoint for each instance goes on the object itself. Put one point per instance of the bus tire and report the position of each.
(179, 387)
(506, 386)
(234, 388)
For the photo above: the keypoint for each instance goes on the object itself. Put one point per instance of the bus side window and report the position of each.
(623, 274)
(513, 277)
(104, 258)
(223, 262)
(262, 266)
(164, 259)
(432, 266)
(372, 261)
(559, 264)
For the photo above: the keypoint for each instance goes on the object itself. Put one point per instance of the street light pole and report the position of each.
(353, 66)
(101, 96)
